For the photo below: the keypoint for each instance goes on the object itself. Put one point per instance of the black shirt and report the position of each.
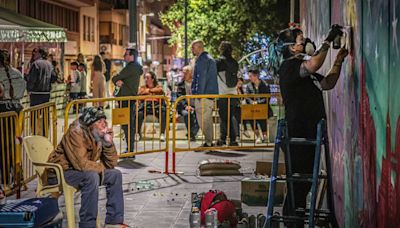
(302, 97)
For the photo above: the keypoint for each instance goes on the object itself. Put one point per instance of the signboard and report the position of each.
(254, 111)
(120, 116)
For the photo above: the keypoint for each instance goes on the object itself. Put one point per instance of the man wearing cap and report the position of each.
(88, 156)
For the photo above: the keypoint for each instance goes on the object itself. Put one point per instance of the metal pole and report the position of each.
(292, 11)
(132, 23)
(144, 20)
(186, 38)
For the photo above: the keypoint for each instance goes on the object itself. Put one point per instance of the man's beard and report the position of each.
(97, 135)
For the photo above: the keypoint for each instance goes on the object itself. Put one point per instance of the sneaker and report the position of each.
(200, 148)
(233, 143)
(221, 142)
(206, 145)
(162, 137)
(258, 140)
(265, 139)
(246, 133)
(115, 226)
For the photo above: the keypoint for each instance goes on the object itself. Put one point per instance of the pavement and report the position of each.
(155, 199)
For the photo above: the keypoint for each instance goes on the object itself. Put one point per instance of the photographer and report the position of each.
(88, 140)
(301, 89)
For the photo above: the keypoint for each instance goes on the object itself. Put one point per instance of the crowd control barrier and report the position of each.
(239, 111)
(10, 165)
(128, 116)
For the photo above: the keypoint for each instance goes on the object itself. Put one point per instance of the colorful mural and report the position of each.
(363, 109)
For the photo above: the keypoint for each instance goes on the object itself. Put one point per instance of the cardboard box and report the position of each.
(264, 167)
(255, 191)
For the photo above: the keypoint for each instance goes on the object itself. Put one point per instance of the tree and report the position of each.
(233, 20)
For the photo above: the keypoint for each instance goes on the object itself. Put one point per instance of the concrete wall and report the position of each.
(363, 110)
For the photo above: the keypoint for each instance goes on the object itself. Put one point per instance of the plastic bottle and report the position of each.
(211, 218)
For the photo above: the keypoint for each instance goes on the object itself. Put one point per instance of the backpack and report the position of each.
(218, 200)
(231, 68)
(14, 85)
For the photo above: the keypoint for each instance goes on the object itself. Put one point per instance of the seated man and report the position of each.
(88, 140)
(184, 108)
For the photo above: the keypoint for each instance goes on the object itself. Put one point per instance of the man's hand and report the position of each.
(119, 83)
(188, 108)
(336, 30)
(108, 136)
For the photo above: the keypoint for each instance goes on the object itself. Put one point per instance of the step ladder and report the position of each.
(283, 141)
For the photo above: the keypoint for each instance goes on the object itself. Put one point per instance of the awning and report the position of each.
(15, 27)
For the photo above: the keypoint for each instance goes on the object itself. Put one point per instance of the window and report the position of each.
(105, 32)
(88, 28)
(50, 13)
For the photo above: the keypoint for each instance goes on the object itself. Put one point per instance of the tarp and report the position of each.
(15, 27)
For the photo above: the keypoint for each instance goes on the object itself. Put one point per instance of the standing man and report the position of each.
(204, 82)
(40, 77)
(107, 74)
(87, 141)
(228, 69)
(301, 89)
(128, 82)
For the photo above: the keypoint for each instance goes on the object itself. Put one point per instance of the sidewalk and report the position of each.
(167, 203)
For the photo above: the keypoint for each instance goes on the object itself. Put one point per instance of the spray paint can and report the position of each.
(194, 218)
(211, 218)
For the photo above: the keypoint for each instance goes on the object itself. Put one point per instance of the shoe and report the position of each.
(221, 142)
(258, 140)
(265, 139)
(162, 137)
(200, 148)
(115, 226)
(193, 139)
(206, 145)
(246, 133)
(233, 143)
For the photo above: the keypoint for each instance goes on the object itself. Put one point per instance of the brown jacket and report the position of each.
(79, 150)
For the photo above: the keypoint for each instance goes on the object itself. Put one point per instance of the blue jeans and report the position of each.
(88, 183)
(194, 127)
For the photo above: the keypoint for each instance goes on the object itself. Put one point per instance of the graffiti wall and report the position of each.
(363, 109)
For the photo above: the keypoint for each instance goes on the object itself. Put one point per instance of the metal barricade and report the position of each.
(250, 113)
(124, 111)
(37, 120)
(10, 153)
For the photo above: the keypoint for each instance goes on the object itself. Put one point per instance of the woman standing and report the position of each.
(98, 81)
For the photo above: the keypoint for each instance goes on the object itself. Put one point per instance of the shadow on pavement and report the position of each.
(131, 164)
(224, 154)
